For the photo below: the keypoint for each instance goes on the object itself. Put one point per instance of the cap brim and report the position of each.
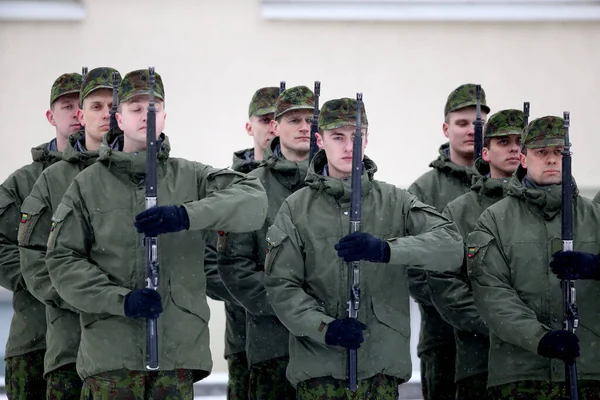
(505, 132)
(263, 111)
(329, 127)
(541, 143)
(484, 108)
(141, 93)
(64, 94)
(295, 108)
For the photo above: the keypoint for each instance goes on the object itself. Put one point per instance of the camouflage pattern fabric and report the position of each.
(505, 122)
(544, 132)
(239, 376)
(64, 384)
(462, 97)
(65, 84)
(379, 387)
(295, 98)
(98, 78)
(473, 388)
(341, 112)
(24, 376)
(437, 373)
(137, 83)
(544, 390)
(268, 381)
(263, 101)
(139, 385)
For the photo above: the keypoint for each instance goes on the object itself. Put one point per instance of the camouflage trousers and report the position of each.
(268, 381)
(437, 373)
(25, 376)
(63, 384)
(473, 388)
(544, 390)
(239, 376)
(379, 387)
(139, 385)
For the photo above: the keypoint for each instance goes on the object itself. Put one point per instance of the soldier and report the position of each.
(63, 331)
(241, 257)
(96, 259)
(450, 177)
(518, 298)
(306, 278)
(26, 341)
(450, 291)
(260, 115)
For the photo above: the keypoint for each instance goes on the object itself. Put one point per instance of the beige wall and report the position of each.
(213, 54)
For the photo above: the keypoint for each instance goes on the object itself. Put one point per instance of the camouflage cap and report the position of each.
(503, 123)
(98, 78)
(547, 131)
(263, 101)
(341, 112)
(137, 83)
(462, 97)
(65, 84)
(295, 98)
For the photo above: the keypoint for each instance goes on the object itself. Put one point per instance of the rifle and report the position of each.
(525, 114)
(151, 243)
(478, 123)
(570, 313)
(113, 109)
(314, 125)
(355, 222)
(84, 71)
(281, 86)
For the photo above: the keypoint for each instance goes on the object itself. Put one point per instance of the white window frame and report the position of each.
(49, 10)
(432, 10)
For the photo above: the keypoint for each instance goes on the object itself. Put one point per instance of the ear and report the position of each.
(319, 140)
(523, 160)
(50, 117)
(275, 127)
(80, 117)
(445, 127)
(485, 154)
(120, 120)
(249, 128)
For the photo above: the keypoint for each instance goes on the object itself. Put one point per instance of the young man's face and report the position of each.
(503, 155)
(460, 131)
(338, 144)
(259, 127)
(132, 119)
(544, 165)
(294, 130)
(95, 115)
(63, 114)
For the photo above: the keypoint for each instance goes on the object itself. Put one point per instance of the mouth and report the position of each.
(304, 138)
(347, 158)
(513, 159)
(552, 171)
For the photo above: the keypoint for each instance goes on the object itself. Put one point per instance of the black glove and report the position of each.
(559, 344)
(345, 332)
(143, 303)
(162, 219)
(363, 246)
(573, 265)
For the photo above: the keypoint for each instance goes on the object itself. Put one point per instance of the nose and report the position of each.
(305, 126)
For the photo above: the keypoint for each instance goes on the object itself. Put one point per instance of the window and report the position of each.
(432, 10)
(41, 10)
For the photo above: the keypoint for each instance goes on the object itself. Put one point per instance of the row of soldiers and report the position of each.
(272, 242)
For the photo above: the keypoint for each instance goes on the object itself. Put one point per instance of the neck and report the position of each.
(464, 160)
(61, 142)
(339, 175)
(91, 144)
(132, 146)
(258, 153)
(495, 173)
(292, 155)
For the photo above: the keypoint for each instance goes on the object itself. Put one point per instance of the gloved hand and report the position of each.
(559, 344)
(143, 303)
(573, 265)
(345, 332)
(363, 246)
(162, 219)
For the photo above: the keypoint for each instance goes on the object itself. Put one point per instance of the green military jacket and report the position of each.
(241, 259)
(451, 291)
(597, 198)
(28, 326)
(235, 314)
(63, 331)
(515, 291)
(444, 183)
(307, 281)
(96, 257)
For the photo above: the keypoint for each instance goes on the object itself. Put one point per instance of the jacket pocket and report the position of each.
(275, 237)
(392, 316)
(31, 210)
(186, 301)
(58, 220)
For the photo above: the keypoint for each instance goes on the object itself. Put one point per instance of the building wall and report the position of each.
(212, 55)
